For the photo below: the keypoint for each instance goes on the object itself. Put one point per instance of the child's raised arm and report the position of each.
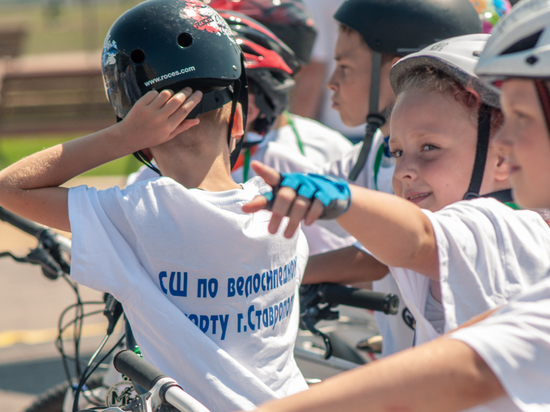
(393, 229)
(30, 187)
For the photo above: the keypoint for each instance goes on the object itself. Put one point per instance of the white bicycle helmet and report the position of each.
(520, 47)
(457, 57)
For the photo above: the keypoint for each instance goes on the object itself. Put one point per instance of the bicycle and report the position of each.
(53, 255)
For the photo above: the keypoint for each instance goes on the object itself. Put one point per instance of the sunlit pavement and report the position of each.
(30, 306)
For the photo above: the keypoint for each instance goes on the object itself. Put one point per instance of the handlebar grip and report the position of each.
(387, 303)
(28, 226)
(137, 369)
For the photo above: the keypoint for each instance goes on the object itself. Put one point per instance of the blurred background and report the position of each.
(50, 75)
(51, 90)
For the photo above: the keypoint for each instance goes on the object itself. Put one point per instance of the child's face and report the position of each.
(350, 82)
(526, 143)
(433, 139)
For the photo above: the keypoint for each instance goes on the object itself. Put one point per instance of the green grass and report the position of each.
(13, 149)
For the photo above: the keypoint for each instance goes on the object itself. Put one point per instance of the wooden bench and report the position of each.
(11, 41)
(59, 95)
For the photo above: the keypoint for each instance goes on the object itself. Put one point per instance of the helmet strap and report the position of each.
(374, 119)
(483, 133)
(544, 98)
(139, 155)
(211, 101)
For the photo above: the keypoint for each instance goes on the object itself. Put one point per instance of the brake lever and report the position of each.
(311, 313)
(47, 238)
(40, 256)
(308, 322)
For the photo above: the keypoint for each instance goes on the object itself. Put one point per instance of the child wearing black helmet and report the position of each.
(210, 295)
(373, 35)
(274, 136)
(499, 361)
(453, 263)
(444, 252)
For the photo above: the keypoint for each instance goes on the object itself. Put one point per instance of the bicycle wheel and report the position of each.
(52, 399)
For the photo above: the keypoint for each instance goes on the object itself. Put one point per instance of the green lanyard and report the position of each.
(246, 163)
(289, 120)
(512, 205)
(377, 163)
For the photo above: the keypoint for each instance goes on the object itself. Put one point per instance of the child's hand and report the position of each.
(300, 197)
(158, 117)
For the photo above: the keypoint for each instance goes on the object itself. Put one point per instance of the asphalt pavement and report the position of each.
(30, 306)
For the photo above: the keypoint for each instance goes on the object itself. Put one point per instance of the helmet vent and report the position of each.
(532, 59)
(137, 56)
(527, 43)
(185, 40)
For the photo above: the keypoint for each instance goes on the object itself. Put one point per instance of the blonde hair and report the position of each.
(432, 80)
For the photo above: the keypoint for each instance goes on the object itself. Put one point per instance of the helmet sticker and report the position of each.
(206, 18)
(109, 52)
(439, 46)
(109, 59)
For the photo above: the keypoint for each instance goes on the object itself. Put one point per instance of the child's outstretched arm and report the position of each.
(30, 187)
(393, 229)
(441, 375)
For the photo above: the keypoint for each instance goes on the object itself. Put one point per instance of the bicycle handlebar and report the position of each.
(387, 303)
(49, 249)
(150, 378)
(27, 226)
(33, 228)
(137, 369)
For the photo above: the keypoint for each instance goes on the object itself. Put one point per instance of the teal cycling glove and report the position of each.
(332, 192)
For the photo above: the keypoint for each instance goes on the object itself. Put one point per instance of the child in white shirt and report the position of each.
(467, 257)
(212, 298)
(500, 360)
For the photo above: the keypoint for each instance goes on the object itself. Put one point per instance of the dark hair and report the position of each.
(386, 57)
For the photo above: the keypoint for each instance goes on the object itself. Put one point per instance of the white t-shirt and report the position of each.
(212, 297)
(488, 253)
(323, 52)
(321, 144)
(515, 344)
(396, 333)
(279, 149)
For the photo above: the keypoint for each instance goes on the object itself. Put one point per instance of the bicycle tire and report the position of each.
(52, 399)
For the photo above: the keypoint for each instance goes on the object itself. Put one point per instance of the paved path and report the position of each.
(30, 306)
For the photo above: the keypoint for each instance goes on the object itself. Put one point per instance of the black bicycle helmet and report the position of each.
(172, 44)
(290, 20)
(269, 65)
(401, 27)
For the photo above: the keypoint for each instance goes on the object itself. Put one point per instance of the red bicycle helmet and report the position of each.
(290, 20)
(270, 65)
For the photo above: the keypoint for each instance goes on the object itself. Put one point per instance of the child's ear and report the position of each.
(237, 130)
(501, 168)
